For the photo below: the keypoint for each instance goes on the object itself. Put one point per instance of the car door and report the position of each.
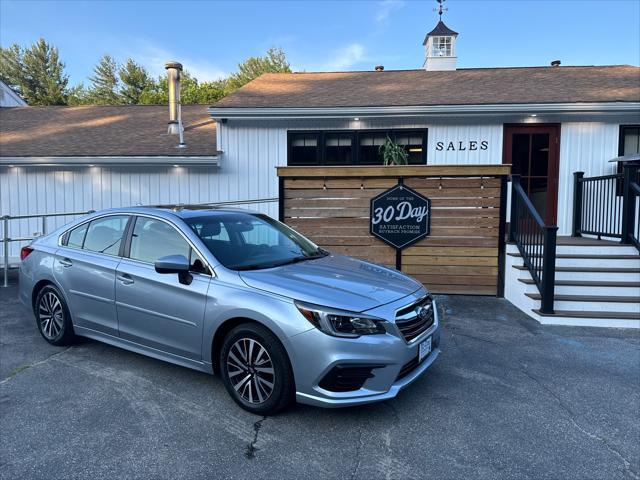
(155, 309)
(85, 267)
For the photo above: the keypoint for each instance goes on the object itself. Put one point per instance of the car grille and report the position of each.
(411, 324)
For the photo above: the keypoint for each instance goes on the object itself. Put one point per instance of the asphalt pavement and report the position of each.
(508, 398)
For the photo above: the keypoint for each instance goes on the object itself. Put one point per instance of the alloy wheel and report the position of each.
(50, 315)
(250, 370)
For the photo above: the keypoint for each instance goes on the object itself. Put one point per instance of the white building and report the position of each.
(9, 98)
(548, 122)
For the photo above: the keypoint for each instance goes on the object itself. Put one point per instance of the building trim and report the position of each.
(106, 161)
(426, 110)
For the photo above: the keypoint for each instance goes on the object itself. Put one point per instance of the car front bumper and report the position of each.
(314, 354)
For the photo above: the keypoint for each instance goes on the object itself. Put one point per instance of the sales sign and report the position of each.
(400, 216)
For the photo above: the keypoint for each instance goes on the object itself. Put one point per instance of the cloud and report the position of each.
(153, 59)
(386, 7)
(346, 57)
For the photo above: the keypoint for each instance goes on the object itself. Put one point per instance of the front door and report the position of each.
(533, 150)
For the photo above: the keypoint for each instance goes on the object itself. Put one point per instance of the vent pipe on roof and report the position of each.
(555, 63)
(379, 68)
(174, 72)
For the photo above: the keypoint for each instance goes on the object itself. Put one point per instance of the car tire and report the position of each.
(53, 318)
(255, 369)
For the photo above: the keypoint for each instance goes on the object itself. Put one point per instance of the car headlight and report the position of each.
(340, 323)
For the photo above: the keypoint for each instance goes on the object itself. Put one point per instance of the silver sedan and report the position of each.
(235, 293)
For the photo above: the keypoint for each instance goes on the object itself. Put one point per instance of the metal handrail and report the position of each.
(605, 205)
(536, 243)
(6, 240)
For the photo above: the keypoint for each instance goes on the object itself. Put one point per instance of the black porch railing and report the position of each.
(536, 243)
(606, 206)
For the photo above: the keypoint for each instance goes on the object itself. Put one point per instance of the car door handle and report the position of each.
(125, 278)
(65, 262)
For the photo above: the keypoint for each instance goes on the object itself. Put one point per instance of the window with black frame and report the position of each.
(353, 147)
(303, 147)
(338, 148)
(370, 143)
(413, 143)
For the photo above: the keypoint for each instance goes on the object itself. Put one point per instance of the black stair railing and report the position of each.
(631, 205)
(606, 206)
(536, 243)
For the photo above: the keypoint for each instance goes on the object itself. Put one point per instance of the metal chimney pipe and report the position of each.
(174, 70)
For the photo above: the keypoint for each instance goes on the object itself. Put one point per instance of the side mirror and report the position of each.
(175, 264)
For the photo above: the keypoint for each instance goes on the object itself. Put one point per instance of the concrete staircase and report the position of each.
(597, 284)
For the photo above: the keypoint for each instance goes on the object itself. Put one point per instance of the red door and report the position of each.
(533, 150)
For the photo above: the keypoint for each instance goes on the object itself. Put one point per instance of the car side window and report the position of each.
(153, 239)
(76, 236)
(105, 234)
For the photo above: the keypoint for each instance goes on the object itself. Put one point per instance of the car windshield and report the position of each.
(243, 241)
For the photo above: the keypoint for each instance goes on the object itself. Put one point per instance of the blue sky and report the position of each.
(210, 38)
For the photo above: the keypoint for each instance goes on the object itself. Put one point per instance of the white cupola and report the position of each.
(440, 47)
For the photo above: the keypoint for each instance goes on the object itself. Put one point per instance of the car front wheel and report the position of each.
(255, 369)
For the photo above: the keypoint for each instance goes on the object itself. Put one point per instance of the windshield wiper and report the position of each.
(301, 258)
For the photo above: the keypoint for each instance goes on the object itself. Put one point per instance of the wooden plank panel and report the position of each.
(308, 203)
(464, 232)
(459, 256)
(327, 212)
(493, 222)
(395, 171)
(435, 260)
(328, 222)
(355, 192)
(458, 192)
(462, 289)
(452, 182)
(465, 202)
(464, 212)
(326, 240)
(458, 241)
(330, 183)
(487, 280)
(454, 251)
(449, 270)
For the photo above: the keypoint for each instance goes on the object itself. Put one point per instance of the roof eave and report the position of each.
(219, 113)
(110, 161)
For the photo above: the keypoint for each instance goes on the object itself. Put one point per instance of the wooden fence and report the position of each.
(464, 252)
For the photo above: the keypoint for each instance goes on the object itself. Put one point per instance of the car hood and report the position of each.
(336, 281)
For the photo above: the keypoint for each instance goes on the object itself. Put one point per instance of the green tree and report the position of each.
(35, 72)
(104, 82)
(274, 61)
(211, 92)
(135, 80)
(78, 95)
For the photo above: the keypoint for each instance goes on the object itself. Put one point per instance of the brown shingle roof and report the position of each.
(124, 130)
(474, 86)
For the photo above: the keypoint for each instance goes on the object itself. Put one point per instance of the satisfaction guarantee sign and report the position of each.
(400, 216)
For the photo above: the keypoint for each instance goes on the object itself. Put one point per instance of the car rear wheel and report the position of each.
(255, 370)
(52, 317)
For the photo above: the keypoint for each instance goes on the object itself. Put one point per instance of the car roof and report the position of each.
(180, 210)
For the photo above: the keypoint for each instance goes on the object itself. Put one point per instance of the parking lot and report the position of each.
(507, 398)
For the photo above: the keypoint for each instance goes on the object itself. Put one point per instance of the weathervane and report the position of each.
(440, 9)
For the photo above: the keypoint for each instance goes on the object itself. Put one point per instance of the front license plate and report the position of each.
(425, 349)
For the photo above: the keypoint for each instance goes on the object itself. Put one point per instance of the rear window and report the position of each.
(76, 236)
(105, 234)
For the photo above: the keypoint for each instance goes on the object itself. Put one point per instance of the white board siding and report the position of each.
(465, 134)
(586, 147)
(29, 190)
